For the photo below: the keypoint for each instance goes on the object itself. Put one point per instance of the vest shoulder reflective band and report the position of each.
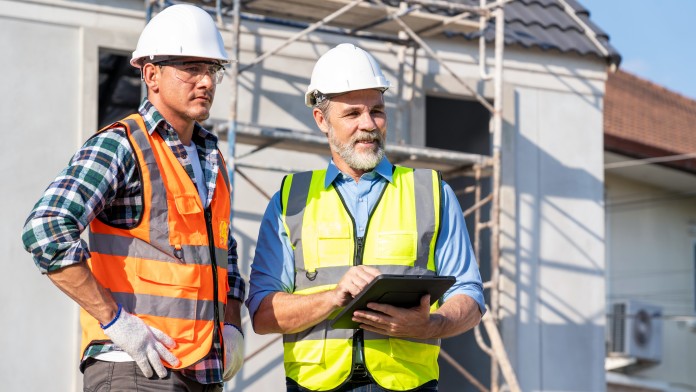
(399, 239)
(171, 268)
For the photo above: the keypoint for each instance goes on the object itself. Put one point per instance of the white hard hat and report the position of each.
(343, 69)
(180, 30)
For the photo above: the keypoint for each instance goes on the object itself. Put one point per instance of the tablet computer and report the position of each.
(404, 291)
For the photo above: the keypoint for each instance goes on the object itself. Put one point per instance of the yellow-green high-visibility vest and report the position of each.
(399, 239)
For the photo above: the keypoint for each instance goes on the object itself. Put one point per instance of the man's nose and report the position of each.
(206, 79)
(367, 122)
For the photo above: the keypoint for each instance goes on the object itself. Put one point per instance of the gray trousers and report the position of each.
(101, 376)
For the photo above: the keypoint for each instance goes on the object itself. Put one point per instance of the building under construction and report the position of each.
(504, 97)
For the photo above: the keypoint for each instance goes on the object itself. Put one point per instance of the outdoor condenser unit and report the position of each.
(636, 330)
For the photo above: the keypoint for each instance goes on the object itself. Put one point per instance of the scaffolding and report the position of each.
(405, 23)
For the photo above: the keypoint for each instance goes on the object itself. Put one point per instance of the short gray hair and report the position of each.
(324, 105)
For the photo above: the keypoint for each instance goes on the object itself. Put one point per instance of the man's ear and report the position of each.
(151, 76)
(322, 122)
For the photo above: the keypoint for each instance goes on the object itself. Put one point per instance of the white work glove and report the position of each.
(145, 344)
(234, 351)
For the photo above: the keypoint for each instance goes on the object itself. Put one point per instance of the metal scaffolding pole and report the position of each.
(497, 125)
(232, 122)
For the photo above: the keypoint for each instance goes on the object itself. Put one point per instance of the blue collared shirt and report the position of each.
(273, 266)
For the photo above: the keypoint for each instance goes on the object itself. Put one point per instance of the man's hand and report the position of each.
(352, 283)
(145, 344)
(394, 321)
(234, 351)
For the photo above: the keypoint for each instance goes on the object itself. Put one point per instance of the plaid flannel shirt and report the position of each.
(102, 181)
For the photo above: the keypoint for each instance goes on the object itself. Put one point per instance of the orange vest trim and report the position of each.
(162, 269)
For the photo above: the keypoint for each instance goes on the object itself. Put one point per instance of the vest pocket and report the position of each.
(166, 291)
(187, 204)
(396, 245)
(333, 244)
(168, 274)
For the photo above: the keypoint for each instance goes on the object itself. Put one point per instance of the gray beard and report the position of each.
(356, 160)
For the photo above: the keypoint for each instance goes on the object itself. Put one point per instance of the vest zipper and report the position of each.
(216, 317)
(359, 242)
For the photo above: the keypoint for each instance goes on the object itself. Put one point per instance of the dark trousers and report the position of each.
(101, 376)
(361, 385)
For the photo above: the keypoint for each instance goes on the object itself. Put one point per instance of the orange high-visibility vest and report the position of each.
(163, 269)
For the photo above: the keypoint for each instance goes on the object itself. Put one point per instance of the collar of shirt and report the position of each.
(384, 169)
(202, 138)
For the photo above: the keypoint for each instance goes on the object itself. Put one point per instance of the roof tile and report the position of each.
(649, 119)
(545, 24)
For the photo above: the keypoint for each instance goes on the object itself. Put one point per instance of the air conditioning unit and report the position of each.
(636, 330)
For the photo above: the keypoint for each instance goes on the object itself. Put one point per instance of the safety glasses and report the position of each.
(193, 71)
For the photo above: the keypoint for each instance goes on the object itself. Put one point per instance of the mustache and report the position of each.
(363, 136)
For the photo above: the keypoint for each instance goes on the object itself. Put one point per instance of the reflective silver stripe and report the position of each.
(220, 257)
(294, 215)
(169, 307)
(425, 214)
(320, 331)
(403, 270)
(223, 170)
(331, 275)
(368, 335)
(159, 219)
(322, 276)
(117, 245)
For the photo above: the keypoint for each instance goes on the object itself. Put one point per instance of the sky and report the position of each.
(656, 39)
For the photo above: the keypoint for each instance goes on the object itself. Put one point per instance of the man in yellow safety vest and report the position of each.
(328, 233)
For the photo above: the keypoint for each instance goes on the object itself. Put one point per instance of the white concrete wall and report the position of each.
(40, 117)
(553, 236)
(47, 109)
(552, 214)
(650, 247)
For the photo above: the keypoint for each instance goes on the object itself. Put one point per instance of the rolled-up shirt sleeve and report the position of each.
(454, 255)
(273, 267)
